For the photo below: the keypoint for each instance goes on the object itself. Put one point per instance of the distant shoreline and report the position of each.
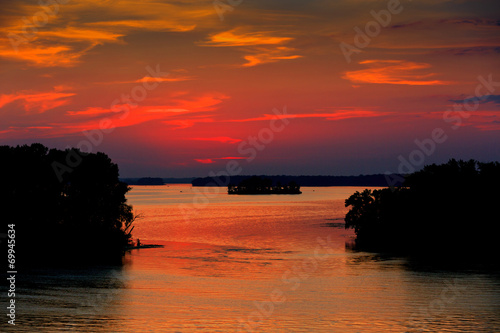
(375, 180)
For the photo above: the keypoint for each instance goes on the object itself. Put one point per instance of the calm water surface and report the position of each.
(253, 263)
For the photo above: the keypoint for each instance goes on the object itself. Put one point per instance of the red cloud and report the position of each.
(204, 161)
(212, 160)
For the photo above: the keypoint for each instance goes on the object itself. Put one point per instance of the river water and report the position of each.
(263, 263)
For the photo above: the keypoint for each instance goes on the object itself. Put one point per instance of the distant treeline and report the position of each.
(156, 181)
(361, 180)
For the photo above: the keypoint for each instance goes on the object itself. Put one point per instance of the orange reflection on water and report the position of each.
(270, 264)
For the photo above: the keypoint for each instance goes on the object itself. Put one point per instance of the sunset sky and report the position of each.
(180, 88)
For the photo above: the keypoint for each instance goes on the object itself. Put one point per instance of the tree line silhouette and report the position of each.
(449, 209)
(76, 216)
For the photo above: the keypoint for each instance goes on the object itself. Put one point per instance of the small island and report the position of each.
(258, 185)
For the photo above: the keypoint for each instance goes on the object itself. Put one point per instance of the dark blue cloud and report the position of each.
(482, 100)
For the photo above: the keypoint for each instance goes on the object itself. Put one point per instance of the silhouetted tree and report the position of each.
(447, 209)
(66, 205)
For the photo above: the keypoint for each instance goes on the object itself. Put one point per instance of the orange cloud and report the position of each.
(157, 25)
(393, 72)
(149, 79)
(129, 115)
(62, 122)
(202, 103)
(61, 40)
(263, 45)
(37, 102)
(123, 115)
(237, 37)
(164, 79)
(43, 56)
(82, 34)
(206, 102)
(268, 56)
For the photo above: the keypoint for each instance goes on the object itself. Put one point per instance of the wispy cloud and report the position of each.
(179, 111)
(270, 55)
(393, 72)
(37, 102)
(263, 46)
(340, 115)
(204, 161)
(201, 103)
(44, 55)
(483, 99)
(82, 34)
(90, 111)
(205, 102)
(157, 25)
(214, 159)
(165, 79)
(63, 39)
(240, 37)
(147, 79)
